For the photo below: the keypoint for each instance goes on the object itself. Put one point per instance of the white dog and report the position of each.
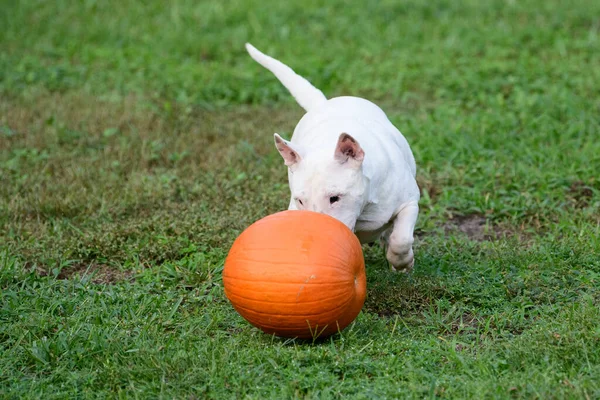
(347, 160)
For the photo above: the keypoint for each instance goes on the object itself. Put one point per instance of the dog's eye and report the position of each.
(334, 199)
(300, 201)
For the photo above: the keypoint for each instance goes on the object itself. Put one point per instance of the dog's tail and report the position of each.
(305, 94)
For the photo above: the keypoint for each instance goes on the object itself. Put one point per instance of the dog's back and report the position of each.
(364, 120)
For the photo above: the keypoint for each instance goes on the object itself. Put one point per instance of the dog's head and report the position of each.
(327, 182)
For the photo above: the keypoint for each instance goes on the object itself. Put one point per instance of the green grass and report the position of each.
(136, 144)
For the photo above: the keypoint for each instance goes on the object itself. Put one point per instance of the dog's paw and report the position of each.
(406, 269)
(403, 262)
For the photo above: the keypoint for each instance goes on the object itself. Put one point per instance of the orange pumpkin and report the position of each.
(296, 274)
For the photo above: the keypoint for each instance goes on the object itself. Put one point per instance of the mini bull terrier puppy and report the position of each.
(347, 160)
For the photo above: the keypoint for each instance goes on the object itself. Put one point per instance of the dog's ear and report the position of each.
(289, 154)
(348, 149)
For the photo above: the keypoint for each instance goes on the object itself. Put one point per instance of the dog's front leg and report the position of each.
(399, 243)
(292, 205)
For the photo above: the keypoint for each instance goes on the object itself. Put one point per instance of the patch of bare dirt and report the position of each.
(581, 194)
(406, 299)
(101, 273)
(477, 227)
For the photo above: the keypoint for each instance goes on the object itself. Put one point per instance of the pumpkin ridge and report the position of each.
(294, 264)
(288, 302)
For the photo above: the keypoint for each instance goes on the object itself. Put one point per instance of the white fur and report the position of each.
(347, 148)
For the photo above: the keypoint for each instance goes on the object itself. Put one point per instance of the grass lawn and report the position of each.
(136, 144)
